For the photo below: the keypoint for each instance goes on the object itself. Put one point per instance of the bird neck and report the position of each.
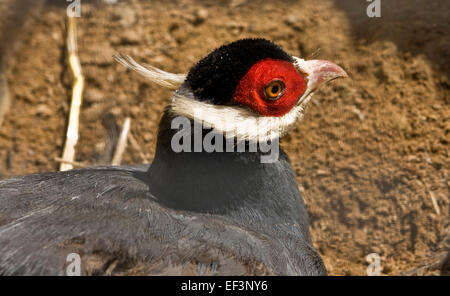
(218, 182)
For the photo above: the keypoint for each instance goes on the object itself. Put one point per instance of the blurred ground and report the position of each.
(370, 155)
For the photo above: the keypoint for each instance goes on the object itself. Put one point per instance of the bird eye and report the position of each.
(274, 89)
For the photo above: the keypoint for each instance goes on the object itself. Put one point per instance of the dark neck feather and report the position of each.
(220, 182)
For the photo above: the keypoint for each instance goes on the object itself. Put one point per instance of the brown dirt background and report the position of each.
(369, 155)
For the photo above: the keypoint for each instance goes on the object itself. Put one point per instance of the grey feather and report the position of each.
(109, 218)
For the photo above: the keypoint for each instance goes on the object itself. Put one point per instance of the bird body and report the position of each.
(221, 213)
(109, 212)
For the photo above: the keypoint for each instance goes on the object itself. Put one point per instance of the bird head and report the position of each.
(249, 89)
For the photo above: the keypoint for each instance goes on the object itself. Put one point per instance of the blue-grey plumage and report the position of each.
(108, 216)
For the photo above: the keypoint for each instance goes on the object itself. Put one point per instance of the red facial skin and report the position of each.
(250, 91)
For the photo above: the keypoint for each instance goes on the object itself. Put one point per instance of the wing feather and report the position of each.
(110, 219)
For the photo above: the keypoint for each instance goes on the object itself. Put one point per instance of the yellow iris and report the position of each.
(274, 89)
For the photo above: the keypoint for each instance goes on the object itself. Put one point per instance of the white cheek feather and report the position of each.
(231, 121)
(235, 121)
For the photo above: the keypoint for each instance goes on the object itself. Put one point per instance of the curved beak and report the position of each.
(317, 72)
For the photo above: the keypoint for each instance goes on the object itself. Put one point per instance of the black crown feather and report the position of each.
(215, 77)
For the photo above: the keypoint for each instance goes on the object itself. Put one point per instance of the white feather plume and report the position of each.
(165, 79)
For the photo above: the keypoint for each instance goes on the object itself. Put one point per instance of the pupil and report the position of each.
(274, 89)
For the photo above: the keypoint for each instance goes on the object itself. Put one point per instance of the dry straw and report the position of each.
(68, 155)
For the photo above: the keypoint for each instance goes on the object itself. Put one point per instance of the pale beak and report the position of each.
(317, 72)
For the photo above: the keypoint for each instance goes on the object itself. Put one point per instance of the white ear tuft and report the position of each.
(169, 80)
